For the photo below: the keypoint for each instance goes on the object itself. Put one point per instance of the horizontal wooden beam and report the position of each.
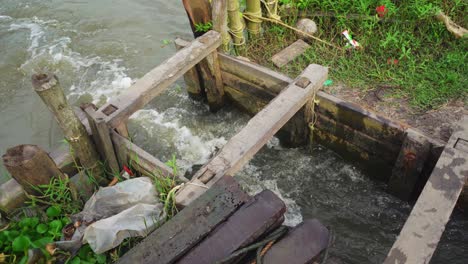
(422, 231)
(261, 128)
(135, 157)
(120, 108)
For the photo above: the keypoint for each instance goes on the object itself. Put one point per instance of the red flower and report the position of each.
(392, 61)
(381, 10)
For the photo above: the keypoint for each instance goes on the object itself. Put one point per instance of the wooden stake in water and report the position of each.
(47, 86)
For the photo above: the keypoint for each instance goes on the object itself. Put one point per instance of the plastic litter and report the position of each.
(351, 42)
(127, 209)
(328, 82)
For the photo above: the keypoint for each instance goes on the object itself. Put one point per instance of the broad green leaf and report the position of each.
(53, 211)
(21, 243)
(101, 259)
(42, 228)
(75, 260)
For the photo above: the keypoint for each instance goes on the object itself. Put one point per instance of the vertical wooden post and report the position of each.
(199, 11)
(48, 88)
(253, 11)
(30, 166)
(220, 21)
(191, 77)
(102, 139)
(122, 129)
(235, 22)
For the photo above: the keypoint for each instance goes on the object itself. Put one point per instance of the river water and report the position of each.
(98, 48)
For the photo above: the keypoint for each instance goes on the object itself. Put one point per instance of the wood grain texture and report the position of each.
(245, 226)
(191, 77)
(261, 128)
(289, 53)
(422, 231)
(160, 78)
(176, 237)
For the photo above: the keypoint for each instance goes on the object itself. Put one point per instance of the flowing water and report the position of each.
(98, 48)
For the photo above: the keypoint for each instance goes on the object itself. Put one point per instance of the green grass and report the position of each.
(431, 67)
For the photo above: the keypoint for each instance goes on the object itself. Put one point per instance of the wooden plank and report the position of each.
(220, 22)
(301, 245)
(409, 165)
(422, 231)
(212, 81)
(189, 226)
(145, 89)
(266, 78)
(191, 77)
(245, 226)
(135, 157)
(198, 11)
(102, 139)
(261, 128)
(289, 53)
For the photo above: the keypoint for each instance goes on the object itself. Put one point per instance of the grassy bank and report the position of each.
(406, 51)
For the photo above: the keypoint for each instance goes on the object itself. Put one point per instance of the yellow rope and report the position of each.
(272, 14)
(254, 17)
(237, 33)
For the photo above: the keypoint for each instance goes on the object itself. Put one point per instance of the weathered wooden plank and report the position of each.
(409, 165)
(261, 128)
(133, 156)
(118, 109)
(422, 231)
(11, 196)
(189, 226)
(212, 81)
(198, 11)
(254, 73)
(191, 77)
(102, 139)
(289, 53)
(301, 245)
(379, 149)
(244, 227)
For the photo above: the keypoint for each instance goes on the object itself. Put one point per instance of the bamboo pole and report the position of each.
(47, 86)
(30, 166)
(236, 26)
(253, 14)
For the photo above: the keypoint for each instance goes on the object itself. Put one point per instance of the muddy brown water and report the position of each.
(97, 48)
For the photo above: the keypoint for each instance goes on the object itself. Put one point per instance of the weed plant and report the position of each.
(406, 49)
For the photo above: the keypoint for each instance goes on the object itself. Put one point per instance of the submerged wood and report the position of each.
(30, 166)
(176, 237)
(48, 88)
(261, 128)
(120, 108)
(422, 231)
(410, 163)
(191, 77)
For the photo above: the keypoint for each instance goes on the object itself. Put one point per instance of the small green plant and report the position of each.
(203, 27)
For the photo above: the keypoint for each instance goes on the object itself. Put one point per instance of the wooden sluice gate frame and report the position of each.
(278, 103)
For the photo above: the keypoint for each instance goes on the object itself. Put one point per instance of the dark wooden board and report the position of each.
(189, 226)
(300, 246)
(245, 226)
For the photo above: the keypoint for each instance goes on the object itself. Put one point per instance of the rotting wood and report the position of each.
(198, 12)
(421, 233)
(191, 77)
(409, 165)
(301, 245)
(289, 53)
(261, 128)
(245, 226)
(102, 139)
(30, 166)
(48, 88)
(159, 79)
(122, 129)
(11, 196)
(220, 22)
(189, 226)
(133, 156)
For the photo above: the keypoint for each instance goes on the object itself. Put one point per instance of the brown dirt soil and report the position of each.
(436, 123)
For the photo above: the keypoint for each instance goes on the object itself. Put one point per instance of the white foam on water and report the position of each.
(193, 149)
(5, 17)
(250, 179)
(93, 75)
